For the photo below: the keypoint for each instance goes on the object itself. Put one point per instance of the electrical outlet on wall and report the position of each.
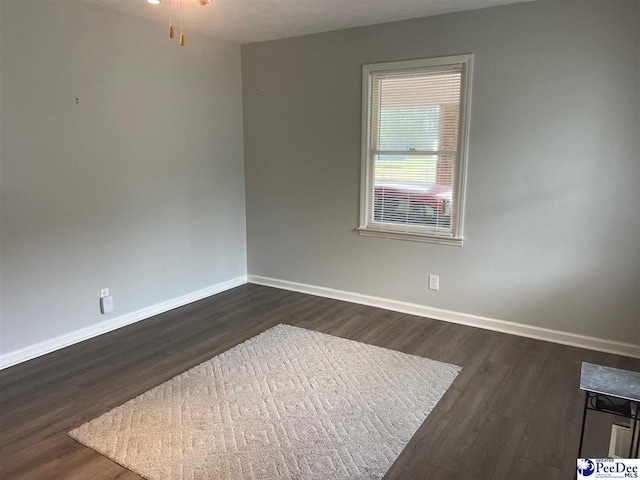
(434, 282)
(106, 304)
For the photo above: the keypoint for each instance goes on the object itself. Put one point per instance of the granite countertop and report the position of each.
(610, 381)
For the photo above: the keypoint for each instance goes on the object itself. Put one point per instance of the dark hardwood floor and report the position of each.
(513, 413)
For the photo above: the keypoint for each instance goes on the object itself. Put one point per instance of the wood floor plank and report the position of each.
(417, 468)
(78, 463)
(521, 391)
(495, 449)
(511, 350)
(459, 387)
(379, 327)
(548, 436)
(61, 458)
(446, 437)
(49, 423)
(475, 349)
(443, 341)
(525, 469)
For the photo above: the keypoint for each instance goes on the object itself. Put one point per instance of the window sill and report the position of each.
(413, 237)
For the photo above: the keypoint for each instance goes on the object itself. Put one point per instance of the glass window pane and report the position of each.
(413, 190)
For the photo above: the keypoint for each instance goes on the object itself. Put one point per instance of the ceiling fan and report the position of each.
(157, 2)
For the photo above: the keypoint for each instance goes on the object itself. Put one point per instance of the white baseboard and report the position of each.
(38, 349)
(555, 336)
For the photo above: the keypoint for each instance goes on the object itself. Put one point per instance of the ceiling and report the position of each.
(246, 21)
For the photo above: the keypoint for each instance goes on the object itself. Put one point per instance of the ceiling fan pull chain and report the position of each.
(170, 22)
(181, 34)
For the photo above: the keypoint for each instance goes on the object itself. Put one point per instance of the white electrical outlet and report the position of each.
(106, 304)
(104, 292)
(434, 282)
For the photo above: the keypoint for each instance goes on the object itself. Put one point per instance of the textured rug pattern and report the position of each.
(289, 403)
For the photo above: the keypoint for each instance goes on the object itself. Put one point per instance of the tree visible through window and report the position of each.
(414, 146)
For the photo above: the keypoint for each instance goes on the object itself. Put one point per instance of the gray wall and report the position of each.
(139, 187)
(552, 220)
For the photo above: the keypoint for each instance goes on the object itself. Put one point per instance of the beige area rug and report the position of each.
(289, 403)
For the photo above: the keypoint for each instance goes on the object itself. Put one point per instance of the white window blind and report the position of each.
(414, 142)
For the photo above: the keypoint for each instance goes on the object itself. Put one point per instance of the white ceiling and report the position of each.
(246, 21)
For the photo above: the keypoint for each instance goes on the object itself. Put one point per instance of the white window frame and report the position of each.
(463, 139)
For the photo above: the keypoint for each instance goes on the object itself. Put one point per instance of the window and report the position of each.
(414, 141)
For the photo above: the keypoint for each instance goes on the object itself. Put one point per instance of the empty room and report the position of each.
(319, 239)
